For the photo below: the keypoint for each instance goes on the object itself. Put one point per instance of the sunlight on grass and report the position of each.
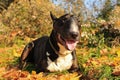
(98, 51)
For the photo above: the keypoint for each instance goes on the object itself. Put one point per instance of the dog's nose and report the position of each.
(74, 34)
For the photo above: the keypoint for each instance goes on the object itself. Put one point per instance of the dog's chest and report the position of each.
(60, 64)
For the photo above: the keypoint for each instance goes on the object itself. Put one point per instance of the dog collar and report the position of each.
(53, 47)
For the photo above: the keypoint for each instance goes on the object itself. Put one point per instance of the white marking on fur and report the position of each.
(62, 63)
(47, 54)
(75, 28)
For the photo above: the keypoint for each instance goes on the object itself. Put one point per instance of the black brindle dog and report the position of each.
(57, 52)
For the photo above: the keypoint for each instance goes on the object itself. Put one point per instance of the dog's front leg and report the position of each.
(74, 67)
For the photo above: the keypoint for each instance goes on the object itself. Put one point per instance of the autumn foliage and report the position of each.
(25, 20)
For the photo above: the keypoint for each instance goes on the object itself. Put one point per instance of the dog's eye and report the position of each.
(60, 22)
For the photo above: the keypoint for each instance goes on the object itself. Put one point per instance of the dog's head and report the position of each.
(67, 29)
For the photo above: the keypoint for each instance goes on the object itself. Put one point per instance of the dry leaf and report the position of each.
(116, 71)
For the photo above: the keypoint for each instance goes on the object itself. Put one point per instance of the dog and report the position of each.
(56, 52)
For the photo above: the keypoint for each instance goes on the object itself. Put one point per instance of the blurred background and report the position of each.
(22, 21)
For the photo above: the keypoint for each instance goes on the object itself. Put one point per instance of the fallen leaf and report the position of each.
(116, 71)
(118, 53)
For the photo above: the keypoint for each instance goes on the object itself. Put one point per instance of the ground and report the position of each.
(96, 63)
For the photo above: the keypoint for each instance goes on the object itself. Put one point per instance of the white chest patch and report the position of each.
(62, 63)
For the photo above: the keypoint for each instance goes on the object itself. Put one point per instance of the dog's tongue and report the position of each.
(71, 44)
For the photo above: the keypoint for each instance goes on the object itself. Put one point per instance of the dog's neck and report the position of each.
(56, 46)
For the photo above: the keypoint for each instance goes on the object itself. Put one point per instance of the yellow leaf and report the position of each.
(118, 53)
(94, 63)
(33, 72)
(15, 53)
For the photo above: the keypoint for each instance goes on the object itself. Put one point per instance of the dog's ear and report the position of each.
(53, 17)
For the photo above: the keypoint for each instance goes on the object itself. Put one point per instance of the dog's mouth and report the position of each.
(69, 44)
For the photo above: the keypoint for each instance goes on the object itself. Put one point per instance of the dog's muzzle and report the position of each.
(69, 44)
